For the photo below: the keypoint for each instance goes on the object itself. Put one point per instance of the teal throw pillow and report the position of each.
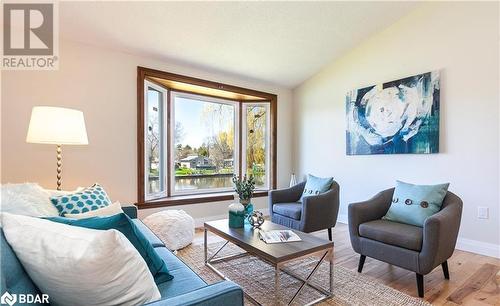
(88, 199)
(412, 204)
(126, 226)
(316, 185)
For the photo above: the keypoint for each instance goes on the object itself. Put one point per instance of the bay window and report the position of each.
(155, 141)
(256, 142)
(195, 135)
(205, 144)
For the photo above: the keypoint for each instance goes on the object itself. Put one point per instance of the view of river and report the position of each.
(202, 182)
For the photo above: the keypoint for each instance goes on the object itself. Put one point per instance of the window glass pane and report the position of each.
(256, 143)
(154, 143)
(204, 144)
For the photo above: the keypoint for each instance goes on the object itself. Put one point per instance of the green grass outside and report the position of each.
(187, 171)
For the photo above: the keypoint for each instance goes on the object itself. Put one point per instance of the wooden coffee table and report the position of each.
(276, 254)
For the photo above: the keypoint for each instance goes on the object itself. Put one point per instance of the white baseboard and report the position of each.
(198, 222)
(342, 218)
(464, 244)
(478, 247)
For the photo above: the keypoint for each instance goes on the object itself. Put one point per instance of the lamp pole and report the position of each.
(59, 166)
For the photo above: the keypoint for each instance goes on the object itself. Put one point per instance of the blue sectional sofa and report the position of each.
(187, 288)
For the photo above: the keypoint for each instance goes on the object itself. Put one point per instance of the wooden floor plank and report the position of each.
(461, 265)
(490, 293)
(474, 283)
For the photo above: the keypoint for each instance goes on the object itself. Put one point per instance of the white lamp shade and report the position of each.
(57, 125)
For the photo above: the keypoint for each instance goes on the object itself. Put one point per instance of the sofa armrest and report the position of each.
(130, 210)
(361, 212)
(225, 293)
(440, 234)
(286, 195)
(321, 211)
(372, 209)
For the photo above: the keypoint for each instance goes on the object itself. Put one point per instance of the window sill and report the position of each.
(193, 199)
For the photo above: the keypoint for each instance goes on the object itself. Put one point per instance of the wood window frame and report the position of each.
(242, 95)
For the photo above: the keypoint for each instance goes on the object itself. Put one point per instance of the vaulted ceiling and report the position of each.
(279, 42)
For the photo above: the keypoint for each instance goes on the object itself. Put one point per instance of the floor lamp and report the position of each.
(59, 126)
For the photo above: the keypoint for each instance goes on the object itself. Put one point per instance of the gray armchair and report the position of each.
(411, 247)
(313, 214)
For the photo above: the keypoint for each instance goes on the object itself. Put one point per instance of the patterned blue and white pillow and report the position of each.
(90, 198)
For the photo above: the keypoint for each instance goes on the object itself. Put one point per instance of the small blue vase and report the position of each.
(248, 212)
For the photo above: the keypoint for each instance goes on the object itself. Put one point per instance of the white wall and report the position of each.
(102, 83)
(462, 40)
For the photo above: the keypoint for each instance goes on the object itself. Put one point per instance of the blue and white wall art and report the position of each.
(397, 117)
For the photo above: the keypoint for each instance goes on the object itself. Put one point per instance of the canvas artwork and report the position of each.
(398, 117)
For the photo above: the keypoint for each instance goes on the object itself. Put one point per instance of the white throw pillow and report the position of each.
(80, 266)
(27, 199)
(110, 210)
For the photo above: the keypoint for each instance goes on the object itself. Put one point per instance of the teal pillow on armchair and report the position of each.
(316, 185)
(124, 224)
(412, 204)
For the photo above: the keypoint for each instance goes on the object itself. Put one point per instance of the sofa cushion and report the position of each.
(124, 224)
(91, 198)
(290, 210)
(28, 199)
(393, 233)
(110, 210)
(185, 280)
(14, 278)
(150, 236)
(80, 266)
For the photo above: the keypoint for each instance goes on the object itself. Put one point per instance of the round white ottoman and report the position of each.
(174, 227)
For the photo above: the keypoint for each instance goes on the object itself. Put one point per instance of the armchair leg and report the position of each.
(361, 263)
(446, 273)
(329, 233)
(420, 285)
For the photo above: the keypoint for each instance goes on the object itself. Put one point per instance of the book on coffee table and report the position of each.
(278, 236)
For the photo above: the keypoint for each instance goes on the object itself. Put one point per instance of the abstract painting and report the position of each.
(398, 117)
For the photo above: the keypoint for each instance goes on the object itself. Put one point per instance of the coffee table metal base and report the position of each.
(277, 269)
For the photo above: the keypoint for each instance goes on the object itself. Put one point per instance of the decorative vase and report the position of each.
(248, 211)
(293, 180)
(236, 215)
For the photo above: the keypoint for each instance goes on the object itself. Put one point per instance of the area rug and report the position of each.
(256, 277)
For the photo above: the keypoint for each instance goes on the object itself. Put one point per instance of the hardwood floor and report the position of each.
(474, 279)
